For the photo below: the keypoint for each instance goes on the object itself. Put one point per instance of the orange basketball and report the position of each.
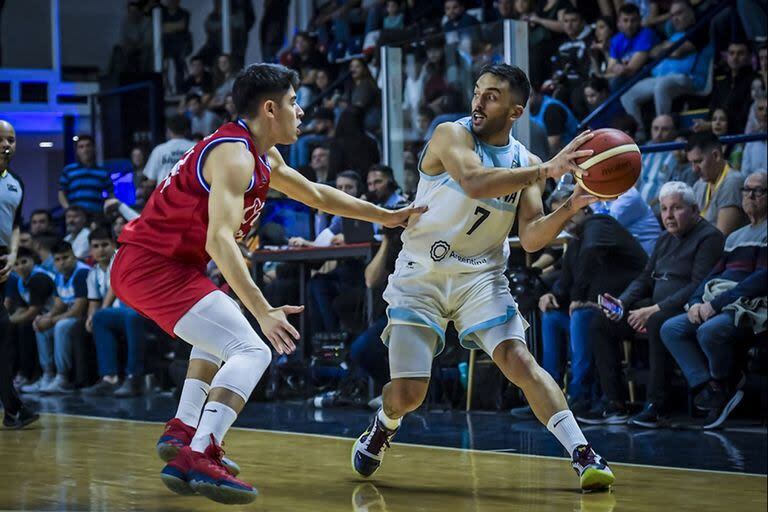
(614, 167)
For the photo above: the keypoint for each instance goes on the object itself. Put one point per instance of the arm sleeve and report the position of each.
(754, 285)
(707, 254)
(40, 290)
(554, 120)
(80, 284)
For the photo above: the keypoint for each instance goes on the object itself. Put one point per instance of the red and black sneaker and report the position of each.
(177, 435)
(210, 478)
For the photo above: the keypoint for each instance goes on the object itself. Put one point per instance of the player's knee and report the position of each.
(405, 396)
(518, 363)
(258, 351)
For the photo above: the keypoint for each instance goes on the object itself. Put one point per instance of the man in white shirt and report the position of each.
(165, 155)
(77, 232)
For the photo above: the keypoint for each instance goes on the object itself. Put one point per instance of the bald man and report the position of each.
(11, 194)
(658, 168)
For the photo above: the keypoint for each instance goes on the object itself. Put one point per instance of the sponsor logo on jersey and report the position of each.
(439, 250)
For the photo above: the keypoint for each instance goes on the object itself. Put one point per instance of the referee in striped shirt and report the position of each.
(17, 415)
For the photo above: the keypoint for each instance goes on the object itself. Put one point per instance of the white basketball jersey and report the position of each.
(457, 233)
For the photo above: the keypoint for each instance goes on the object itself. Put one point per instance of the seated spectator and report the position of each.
(165, 155)
(684, 171)
(199, 81)
(683, 72)
(30, 295)
(719, 125)
(382, 189)
(599, 241)
(77, 231)
(732, 85)
(346, 274)
(108, 320)
(757, 89)
(683, 256)
(330, 232)
(318, 169)
(704, 340)
(395, 18)
(314, 133)
(545, 22)
(351, 147)
(202, 120)
(571, 61)
(84, 183)
(657, 167)
(756, 152)
(43, 244)
(630, 47)
(223, 80)
(600, 50)
(59, 329)
(230, 110)
(40, 221)
(637, 217)
(596, 90)
(555, 116)
(303, 53)
(458, 23)
(362, 92)
(718, 188)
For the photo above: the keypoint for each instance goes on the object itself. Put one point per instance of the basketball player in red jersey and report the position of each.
(208, 202)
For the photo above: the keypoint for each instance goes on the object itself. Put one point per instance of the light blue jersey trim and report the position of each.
(493, 322)
(210, 145)
(409, 316)
(493, 203)
(428, 177)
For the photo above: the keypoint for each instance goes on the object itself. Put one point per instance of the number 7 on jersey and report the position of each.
(483, 215)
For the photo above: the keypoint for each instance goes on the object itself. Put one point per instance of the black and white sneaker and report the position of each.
(613, 414)
(718, 415)
(21, 419)
(650, 417)
(368, 450)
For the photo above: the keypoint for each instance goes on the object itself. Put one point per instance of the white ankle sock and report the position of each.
(564, 427)
(216, 420)
(387, 421)
(193, 396)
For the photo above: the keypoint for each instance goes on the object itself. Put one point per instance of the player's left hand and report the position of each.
(6, 265)
(280, 333)
(400, 218)
(579, 199)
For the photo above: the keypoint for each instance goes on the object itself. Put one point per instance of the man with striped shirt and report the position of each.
(84, 183)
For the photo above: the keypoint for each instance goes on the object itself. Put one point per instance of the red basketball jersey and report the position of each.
(174, 221)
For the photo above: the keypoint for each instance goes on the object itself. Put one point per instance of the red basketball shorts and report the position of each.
(160, 288)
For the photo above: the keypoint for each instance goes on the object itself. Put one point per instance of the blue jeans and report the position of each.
(369, 353)
(59, 340)
(108, 323)
(556, 328)
(704, 352)
(323, 288)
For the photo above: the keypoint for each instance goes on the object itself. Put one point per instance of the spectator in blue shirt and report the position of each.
(636, 216)
(84, 183)
(630, 48)
(60, 327)
(458, 20)
(683, 72)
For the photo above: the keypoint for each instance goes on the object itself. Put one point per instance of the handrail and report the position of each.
(700, 23)
(727, 139)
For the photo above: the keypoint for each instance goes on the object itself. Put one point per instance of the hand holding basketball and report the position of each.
(579, 199)
(565, 161)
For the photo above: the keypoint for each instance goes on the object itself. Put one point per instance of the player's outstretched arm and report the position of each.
(234, 168)
(327, 199)
(536, 229)
(453, 146)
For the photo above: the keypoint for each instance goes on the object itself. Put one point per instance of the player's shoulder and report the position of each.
(451, 134)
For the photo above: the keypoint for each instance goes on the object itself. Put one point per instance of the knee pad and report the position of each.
(205, 356)
(246, 363)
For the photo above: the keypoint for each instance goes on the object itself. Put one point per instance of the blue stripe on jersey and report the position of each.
(210, 145)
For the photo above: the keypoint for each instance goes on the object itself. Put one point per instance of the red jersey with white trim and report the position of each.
(174, 221)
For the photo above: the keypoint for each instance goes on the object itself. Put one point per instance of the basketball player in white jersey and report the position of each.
(474, 179)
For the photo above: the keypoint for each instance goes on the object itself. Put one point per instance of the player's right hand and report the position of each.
(565, 161)
(280, 333)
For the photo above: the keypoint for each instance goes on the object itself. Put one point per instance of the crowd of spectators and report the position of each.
(683, 253)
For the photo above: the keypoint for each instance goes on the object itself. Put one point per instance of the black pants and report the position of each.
(8, 396)
(607, 338)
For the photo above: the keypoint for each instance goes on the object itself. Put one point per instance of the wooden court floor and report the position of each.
(80, 463)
